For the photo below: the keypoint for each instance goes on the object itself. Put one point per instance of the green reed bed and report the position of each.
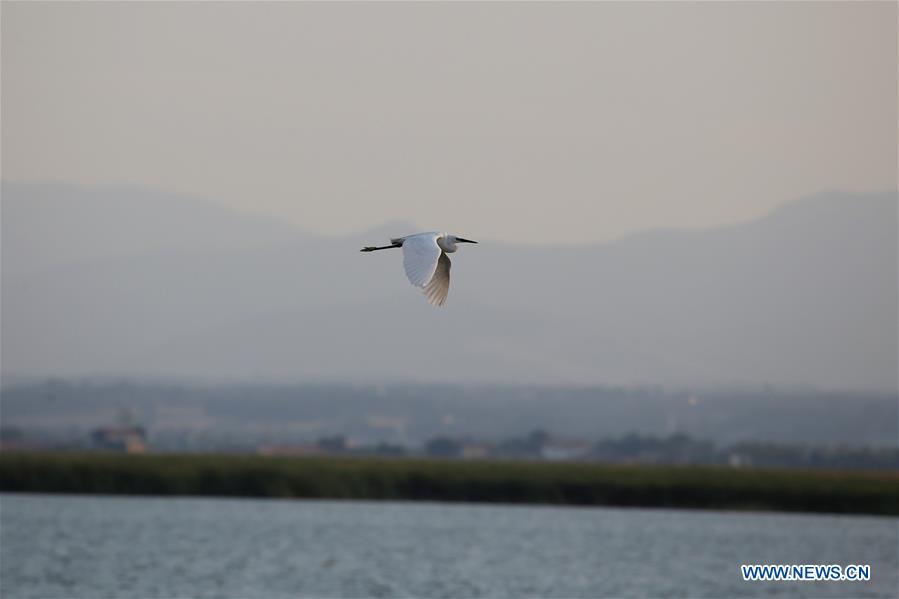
(435, 480)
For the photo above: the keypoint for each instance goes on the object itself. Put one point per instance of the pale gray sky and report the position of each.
(559, 122)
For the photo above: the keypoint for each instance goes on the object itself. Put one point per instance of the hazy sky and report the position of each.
(558, 122)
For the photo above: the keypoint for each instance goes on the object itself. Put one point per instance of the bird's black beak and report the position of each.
(461, 240)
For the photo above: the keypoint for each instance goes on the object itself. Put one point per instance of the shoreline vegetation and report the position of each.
(482, 481)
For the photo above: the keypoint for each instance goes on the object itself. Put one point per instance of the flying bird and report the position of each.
(426, 262)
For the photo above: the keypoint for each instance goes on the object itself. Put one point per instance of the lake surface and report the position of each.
(103, 547)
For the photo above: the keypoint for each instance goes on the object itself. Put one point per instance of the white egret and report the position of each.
(426, 262)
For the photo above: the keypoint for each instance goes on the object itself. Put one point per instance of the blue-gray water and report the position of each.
(101, 547)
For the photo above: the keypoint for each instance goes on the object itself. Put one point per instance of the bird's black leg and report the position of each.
(383, 247)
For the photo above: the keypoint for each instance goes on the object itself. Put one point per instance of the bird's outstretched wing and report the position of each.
(420, 256)
(438, 287)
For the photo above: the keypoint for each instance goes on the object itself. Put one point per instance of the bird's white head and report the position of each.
(448, 242)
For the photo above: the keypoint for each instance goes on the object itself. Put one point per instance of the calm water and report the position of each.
(99, 547)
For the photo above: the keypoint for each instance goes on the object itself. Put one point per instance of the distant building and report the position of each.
(127, 439)
(557, 450)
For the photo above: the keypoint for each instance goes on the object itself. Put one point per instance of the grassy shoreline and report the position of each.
(455, 481)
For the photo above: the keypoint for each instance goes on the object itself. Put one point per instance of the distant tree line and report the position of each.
(630, 448)
(634, 448)
(675, 449)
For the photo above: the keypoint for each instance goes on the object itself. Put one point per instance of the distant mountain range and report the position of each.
(127, 283)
